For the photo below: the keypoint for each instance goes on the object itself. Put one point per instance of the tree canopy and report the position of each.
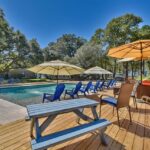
(16, 51)
(66, 45)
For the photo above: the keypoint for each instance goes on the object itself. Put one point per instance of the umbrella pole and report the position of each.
(141, 70)
(132, 70)
(141, 61)
(57, 76)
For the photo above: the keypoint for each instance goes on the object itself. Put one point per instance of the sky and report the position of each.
(46, 20)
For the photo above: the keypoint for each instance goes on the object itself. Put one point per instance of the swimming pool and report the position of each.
(24, 95)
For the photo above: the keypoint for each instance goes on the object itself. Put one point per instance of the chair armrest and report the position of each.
(49, 94)
(69, 90)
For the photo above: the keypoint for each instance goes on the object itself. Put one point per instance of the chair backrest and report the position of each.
(101, 84)
(135, 88)
(97, 84)
(1, 80)
(77, 88)
(58, 91)
(124, 94)
(109, 83)
(88, 86)
(11, 80)
(112, 82)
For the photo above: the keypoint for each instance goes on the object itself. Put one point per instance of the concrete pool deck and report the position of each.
(10, 112)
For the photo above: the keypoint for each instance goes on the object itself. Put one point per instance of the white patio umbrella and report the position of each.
(97, 70)
(57, 68)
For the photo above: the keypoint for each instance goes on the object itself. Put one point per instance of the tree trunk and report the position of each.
(132, 70)
(126, 70)
(115, 68)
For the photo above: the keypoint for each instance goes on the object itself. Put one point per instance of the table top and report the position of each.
(58, 107)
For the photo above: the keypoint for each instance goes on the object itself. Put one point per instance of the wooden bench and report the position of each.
(68, 134)
(51, 110)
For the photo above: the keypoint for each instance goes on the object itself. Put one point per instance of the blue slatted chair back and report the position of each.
(101, 84)
(97, 84)
(1, 80)
(88, 86)
(77, 88)
(109, 83)
(59, 90)
(115, 81)
(112, 82)
(11, 80)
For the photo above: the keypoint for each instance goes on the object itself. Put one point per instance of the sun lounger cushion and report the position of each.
(109, 100)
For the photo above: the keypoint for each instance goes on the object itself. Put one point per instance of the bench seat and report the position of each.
(65, 135)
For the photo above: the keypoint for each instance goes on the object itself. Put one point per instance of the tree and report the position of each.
(144, 32)
(22, 49)
(88, 55)
(50, 52)
(7, 55)
(98, 37)
(121, 30)
(66, 45)
(36, 55)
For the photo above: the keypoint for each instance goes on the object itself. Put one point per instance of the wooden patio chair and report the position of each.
(133, 93)
(121, 101)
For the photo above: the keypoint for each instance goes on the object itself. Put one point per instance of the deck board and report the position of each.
(15, 135)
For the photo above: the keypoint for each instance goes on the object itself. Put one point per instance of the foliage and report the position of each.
(122, 30)
(14, 47)
(144, 32)
(16, 51)
(98, 37)
(35, 55)
(66, 45)
(36, 80)
(88, 55)
(21, 47)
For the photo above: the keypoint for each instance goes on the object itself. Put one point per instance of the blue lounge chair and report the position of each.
(56, 96)
(74, 91)
(101, 85)
(86, 88)
(95, 87)
(113, 83)
(1, 80)
(17, 80)
(11, 81)
(107, 85)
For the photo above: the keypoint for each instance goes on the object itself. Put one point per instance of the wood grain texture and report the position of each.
(16, 135)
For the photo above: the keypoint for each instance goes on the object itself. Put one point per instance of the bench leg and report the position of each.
(78, 119)
(31, 128)
(95, 115)
(102, 136)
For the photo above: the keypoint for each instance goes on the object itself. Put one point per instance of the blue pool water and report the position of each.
(24, 95)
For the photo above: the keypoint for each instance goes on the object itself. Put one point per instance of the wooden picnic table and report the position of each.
(52, 109)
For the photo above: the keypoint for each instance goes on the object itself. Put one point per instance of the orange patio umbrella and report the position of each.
(139, 49)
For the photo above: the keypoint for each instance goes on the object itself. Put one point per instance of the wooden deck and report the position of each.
(15, 135)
